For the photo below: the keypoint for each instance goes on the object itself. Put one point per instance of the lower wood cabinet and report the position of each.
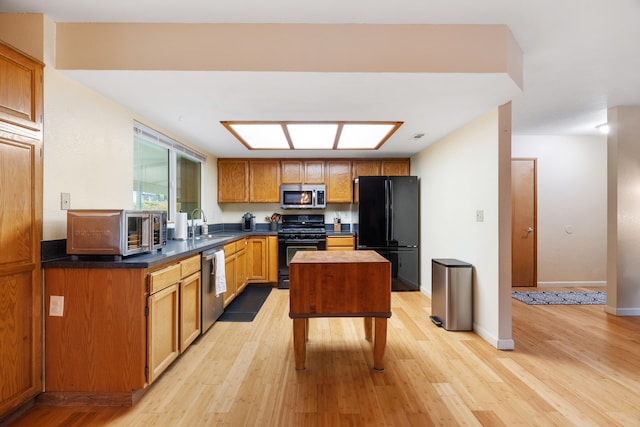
(189, 310)
(272, 259)
(162, 330)
(118, 330)
(257, 258)
(235, 260)
(340, 243)
(262, 259)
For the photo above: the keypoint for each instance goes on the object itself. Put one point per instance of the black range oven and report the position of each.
(298, 233)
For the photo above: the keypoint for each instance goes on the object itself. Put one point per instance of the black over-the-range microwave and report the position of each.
(303, 196)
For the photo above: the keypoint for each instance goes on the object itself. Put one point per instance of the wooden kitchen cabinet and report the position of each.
(163, 329)
(339, 181)
(395, 167)
(262, 259)
(120, 328)
(264, 181)
(241, 265)
(96, 351)
(233, 180)
(366, 168)
(340, 243)
(21, 99)
(235, 260)
(230, 273)
(272, 259)
(299, 171)
(174, 312)
(257, 259)
(190, 296)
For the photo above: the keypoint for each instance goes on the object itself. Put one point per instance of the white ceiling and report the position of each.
(580, 58)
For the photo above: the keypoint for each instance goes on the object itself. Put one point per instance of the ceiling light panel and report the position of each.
(314, 136)
(325, 135)
(366, 136)
(261, 136)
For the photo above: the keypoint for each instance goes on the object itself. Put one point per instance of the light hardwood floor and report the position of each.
(573, 365)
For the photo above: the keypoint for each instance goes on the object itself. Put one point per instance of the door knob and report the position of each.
(529, 230)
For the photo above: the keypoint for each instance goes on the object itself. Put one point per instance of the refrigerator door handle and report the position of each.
(390, 221)
(387, 209)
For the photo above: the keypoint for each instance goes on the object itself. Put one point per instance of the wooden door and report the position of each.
(524, 222)
(20, 228)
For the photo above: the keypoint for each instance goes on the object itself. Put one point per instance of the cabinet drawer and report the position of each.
(340, 243)
(160, 279)
(229, 249)
(189, 266)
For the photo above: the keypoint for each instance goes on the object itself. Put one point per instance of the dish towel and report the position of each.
(221, 279)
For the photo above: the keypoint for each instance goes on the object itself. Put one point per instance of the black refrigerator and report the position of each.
(389, 223)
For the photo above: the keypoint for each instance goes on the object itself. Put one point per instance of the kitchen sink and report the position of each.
(213, 236)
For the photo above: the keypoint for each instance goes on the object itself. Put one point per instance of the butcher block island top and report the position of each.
(339, 284)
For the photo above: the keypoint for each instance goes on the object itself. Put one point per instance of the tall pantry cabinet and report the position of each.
(20, 228)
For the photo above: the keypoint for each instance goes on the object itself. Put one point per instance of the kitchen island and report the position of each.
(340, 284)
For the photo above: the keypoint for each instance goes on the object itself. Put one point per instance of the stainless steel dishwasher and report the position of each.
(212, 305)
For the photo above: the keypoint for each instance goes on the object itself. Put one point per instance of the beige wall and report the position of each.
(572, 213)
(88, 149)
(89, 154)
(623, 227)
(23, 31)
(459, 176)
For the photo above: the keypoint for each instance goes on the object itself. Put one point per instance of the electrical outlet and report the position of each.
(479, 216)
(56, 305)
(65, 201)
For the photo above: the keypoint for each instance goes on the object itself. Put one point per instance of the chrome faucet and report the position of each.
(204, 221)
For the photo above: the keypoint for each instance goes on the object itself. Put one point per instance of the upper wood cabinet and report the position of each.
(233, 180)
(366, 168)
(258, 180)
(264, 181)
(20, 93)
(395, 167)
(339, 181)
(20, 229)
(302, 171)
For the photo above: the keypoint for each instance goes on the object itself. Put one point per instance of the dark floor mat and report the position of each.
(246, 305)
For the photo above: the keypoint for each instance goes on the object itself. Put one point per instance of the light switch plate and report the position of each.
(479, 216)
(65, 201)
(56, 305)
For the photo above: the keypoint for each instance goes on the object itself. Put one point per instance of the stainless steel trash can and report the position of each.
(452, 294)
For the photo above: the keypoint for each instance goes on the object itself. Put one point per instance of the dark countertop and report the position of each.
(174, 250)
(340, 233)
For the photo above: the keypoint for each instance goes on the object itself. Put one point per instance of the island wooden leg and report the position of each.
(379, 343)
(367, 328)
(299, 342)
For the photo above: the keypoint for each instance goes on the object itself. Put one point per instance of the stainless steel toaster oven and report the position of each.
(115, 232)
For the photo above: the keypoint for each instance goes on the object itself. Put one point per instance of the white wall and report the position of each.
(88, 150)
(572, 207)
(459, 176)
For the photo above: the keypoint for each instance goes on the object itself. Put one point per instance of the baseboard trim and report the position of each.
(622, 311)
(74, 398)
